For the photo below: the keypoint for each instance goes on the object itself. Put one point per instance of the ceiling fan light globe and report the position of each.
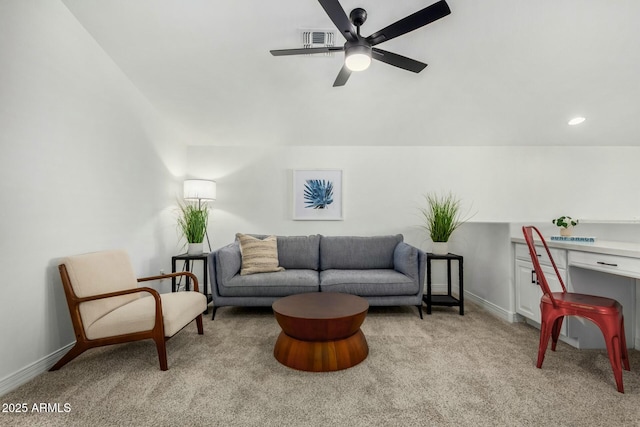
(357, 56)
(357, 61)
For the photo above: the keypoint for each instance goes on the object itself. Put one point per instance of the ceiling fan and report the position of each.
(359, 50)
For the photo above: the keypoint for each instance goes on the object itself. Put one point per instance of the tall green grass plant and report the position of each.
(442, 216)
(192, 222)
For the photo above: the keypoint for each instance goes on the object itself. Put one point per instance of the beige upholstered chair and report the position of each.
(108, 307)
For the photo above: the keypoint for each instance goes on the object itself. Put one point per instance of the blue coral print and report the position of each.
(318, 194)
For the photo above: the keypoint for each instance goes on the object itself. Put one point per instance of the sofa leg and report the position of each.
(420, 310)
(213, 314)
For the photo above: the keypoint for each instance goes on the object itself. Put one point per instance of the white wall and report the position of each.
(87, 165)
(383, 187)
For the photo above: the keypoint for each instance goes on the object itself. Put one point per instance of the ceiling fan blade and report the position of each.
(412, 22)
(343, 76)
(397, 60)
(339, 18)
(306, 51)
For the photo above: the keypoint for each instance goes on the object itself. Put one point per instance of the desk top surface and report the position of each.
(608, 247)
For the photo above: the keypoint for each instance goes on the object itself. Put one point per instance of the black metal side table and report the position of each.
(447, 300)
(189, 260)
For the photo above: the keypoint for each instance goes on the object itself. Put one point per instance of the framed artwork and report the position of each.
(317, 195)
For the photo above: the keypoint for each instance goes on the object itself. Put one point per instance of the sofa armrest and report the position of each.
(411, 262)
(405, 260)
(224, 263)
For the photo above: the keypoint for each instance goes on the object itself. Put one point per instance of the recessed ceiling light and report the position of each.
(576, 121)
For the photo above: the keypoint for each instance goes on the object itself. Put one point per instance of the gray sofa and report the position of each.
(383, 269)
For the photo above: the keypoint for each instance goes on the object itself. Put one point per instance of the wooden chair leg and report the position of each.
(75, 351)
(199, 324)
(161, 345)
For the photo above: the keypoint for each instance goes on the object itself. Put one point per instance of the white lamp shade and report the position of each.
(199, 189)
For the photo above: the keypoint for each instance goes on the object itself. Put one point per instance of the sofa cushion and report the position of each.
(279, 284)
(297, 251)
(347, 252)
(367, 283)
(258, 255)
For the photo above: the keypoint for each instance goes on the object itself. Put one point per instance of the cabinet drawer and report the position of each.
(559, 255)
(614, 264)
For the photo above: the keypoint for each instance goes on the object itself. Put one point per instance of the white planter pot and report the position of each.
(566, 231)
(195, 248)
(440, 248)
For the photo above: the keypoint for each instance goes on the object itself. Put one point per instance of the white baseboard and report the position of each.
(441, 288)
(492, 308)
(31, 371)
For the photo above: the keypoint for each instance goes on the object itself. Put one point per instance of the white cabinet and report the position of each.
(528, 292)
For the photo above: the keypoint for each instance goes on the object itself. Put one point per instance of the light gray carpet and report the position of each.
(445, 370)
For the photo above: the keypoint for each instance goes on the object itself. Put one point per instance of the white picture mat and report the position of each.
(334, 211)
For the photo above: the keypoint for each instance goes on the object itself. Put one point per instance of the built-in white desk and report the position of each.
(604, 268)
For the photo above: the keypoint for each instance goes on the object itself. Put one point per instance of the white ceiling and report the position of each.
(501, 72)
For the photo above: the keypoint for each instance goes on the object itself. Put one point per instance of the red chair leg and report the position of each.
(613, 348)
(545, 334)
(555, 332)
(623, 349)
(611, 330)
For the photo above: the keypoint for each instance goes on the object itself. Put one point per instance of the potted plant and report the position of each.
(192, 221)
(441, 218)
(566, 224)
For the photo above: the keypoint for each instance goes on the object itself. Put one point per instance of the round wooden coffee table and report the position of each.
(321, 331)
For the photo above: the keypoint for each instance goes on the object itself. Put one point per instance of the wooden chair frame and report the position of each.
(156, 333)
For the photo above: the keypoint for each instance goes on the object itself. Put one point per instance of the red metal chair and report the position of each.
(606, 313)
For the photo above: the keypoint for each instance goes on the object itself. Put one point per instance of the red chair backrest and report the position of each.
(542, 280)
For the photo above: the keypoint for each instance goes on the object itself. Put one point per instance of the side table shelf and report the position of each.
(445, 300)
(189, 260)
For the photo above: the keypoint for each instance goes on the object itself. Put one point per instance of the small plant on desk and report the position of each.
(566, 223)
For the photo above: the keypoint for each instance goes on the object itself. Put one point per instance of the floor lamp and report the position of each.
(200, 190)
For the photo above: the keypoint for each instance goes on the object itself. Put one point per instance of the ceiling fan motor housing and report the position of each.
(358, 16)
(359, 46)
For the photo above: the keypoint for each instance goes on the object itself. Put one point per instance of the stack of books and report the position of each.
(574, 239)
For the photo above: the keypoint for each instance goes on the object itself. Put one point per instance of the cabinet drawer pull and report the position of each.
(534, 279)
(607, 263)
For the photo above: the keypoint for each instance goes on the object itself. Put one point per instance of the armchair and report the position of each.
(108, 307)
